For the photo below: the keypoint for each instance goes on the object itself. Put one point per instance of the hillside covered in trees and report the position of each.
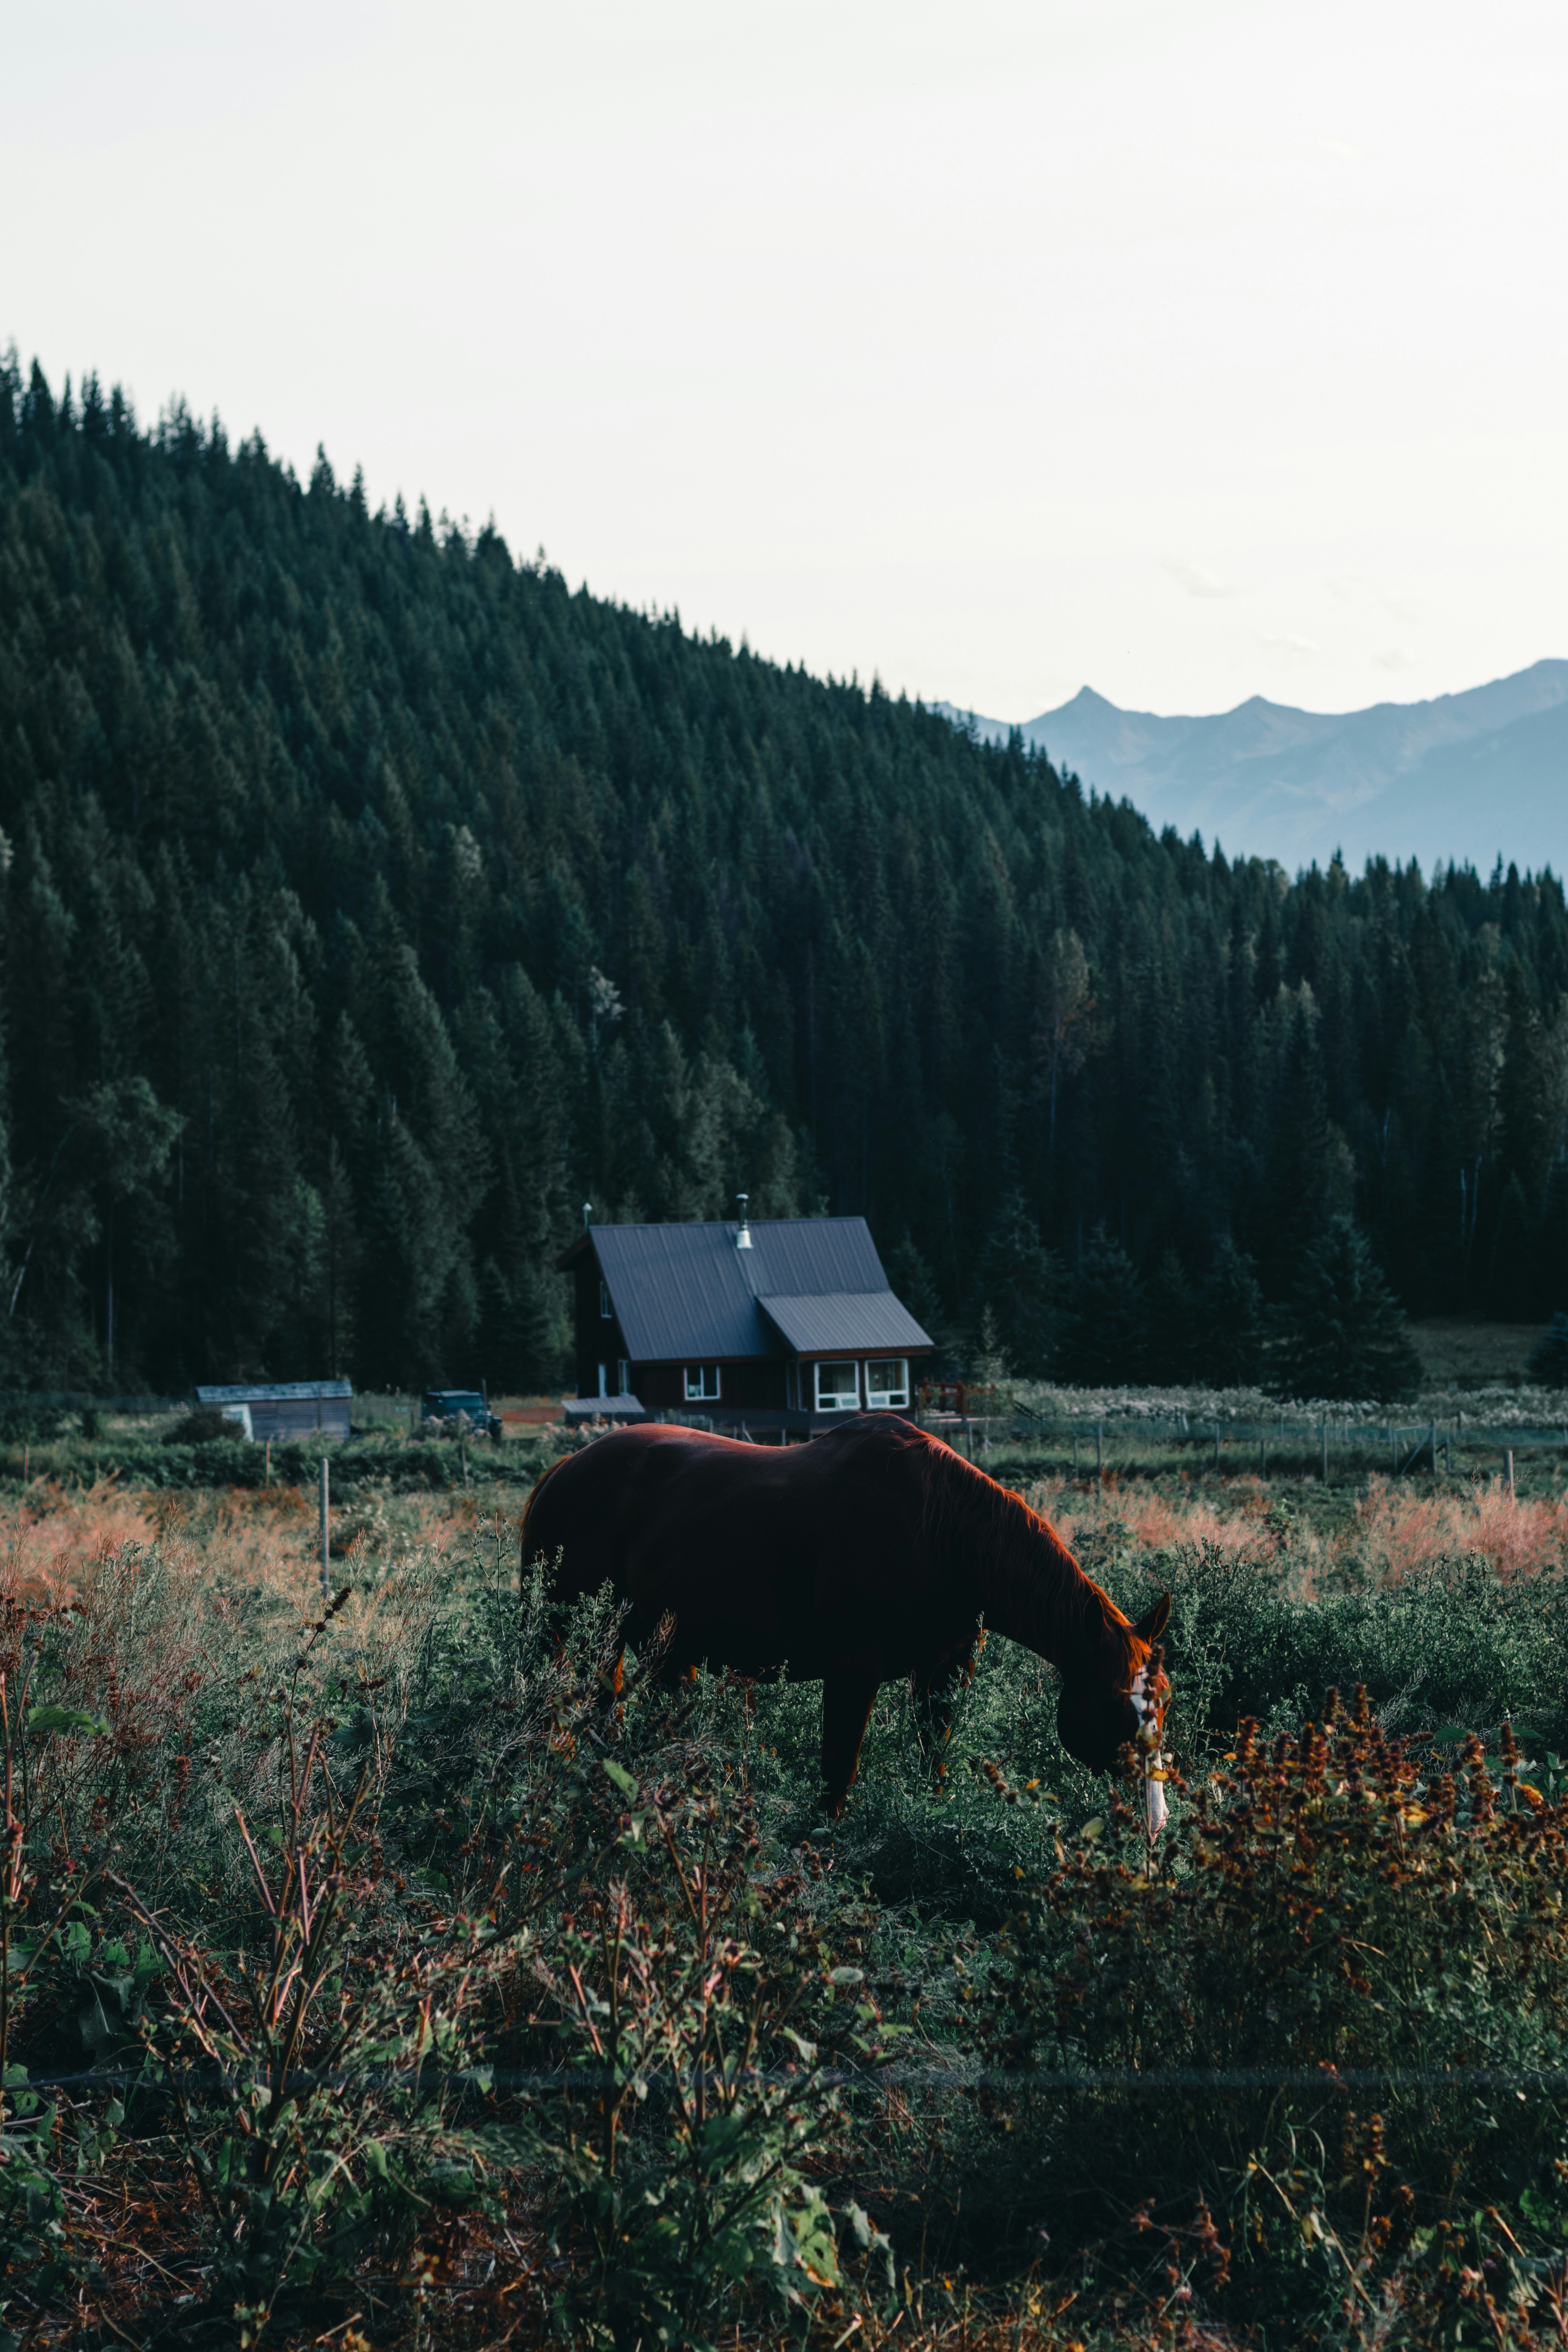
(371, 902)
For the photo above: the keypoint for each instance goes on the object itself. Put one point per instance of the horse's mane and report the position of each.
(1024, 1577)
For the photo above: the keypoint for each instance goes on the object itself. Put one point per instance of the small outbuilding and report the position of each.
(788, 1324)
(281, 1408)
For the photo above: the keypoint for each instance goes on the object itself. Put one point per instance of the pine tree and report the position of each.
(1017, 1286)
(1232, 1324)
(1548, 1362)
(1513, 1265)
(1308, 1172)
(1552, 1242)
(1344, 1333)
(1107, 1331)
(318, 819)
(1172, 1323)
(913, 1283)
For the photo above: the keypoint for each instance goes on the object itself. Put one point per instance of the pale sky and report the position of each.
(1187, 349)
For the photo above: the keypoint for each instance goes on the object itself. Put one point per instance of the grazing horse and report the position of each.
(873, 1552)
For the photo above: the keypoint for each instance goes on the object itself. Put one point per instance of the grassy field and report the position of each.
(1468, 1352)
(370, 1979)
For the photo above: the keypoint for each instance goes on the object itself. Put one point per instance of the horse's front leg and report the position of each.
(848, 1694)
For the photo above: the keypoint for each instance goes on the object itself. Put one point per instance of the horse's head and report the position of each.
(1107, 1703)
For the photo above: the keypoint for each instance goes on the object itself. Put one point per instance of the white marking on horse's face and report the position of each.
(1148, 1714)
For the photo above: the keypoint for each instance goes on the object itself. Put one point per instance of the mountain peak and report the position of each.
(1463, 778)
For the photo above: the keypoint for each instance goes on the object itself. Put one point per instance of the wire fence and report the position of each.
(1399, 1446)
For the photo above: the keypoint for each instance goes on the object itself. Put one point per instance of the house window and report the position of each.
(604, 1300)
(701, 1383)
(837, 1388)
(623, 1384)
(888, 1381)
(604, 1380)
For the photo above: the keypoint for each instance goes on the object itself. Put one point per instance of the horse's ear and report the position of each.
(1151, 1624)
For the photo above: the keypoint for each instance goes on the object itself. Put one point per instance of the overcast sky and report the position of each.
(1188, 350)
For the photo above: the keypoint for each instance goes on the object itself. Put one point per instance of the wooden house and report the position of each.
(786, 1325)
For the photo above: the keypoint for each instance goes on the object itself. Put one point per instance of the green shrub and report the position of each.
(1335, 2009)
(204, 1426)
(350, 1945)
(1450, 1648)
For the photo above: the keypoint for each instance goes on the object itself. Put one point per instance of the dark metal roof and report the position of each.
(855, 1320)
(606, 1408)
(277, 1393)
(685, 1294)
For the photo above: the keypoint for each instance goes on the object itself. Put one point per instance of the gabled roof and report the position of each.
(850, 1319)
(685, 1294)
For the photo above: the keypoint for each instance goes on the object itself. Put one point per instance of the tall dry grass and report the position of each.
(1392, 1531)
(499, 1789)
(224, 1538)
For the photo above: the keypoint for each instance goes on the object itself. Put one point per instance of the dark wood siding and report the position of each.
(597, 1343)
(752, 1385)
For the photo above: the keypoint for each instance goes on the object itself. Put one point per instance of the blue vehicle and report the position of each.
(445, 1404)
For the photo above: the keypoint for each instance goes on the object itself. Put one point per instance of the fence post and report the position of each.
(1511, 1493)
(1099, 1448)
(1432, 1436)
(1323, 1433)
(326, 1544)
(1075, 1454)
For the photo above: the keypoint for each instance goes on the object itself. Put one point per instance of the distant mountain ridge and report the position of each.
(1463, 778)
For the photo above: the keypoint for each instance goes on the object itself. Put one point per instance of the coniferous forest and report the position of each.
(372, 902)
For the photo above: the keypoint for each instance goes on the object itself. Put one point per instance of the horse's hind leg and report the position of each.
(848, 1698)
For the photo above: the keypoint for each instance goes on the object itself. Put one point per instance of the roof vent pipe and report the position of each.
(588, 1212)
(743, 1236)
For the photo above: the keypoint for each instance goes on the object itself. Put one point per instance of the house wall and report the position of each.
(756, 1383)
(596, 1341)
(296, 1417)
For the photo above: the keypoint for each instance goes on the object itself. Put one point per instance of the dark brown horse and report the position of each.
(873, 1552)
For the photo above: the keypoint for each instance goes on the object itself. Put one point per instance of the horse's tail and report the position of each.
(527, 1515)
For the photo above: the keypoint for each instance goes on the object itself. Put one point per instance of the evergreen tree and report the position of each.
(1550, 1287)
(1307, 1171)
(1172, 1323)
(1232, 1323)
(1548, 1362)
(431, 900)
(1513, 1269)
(1106, 1336)
(1017, 1286)
(912, 1281)
(1344, 1332)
